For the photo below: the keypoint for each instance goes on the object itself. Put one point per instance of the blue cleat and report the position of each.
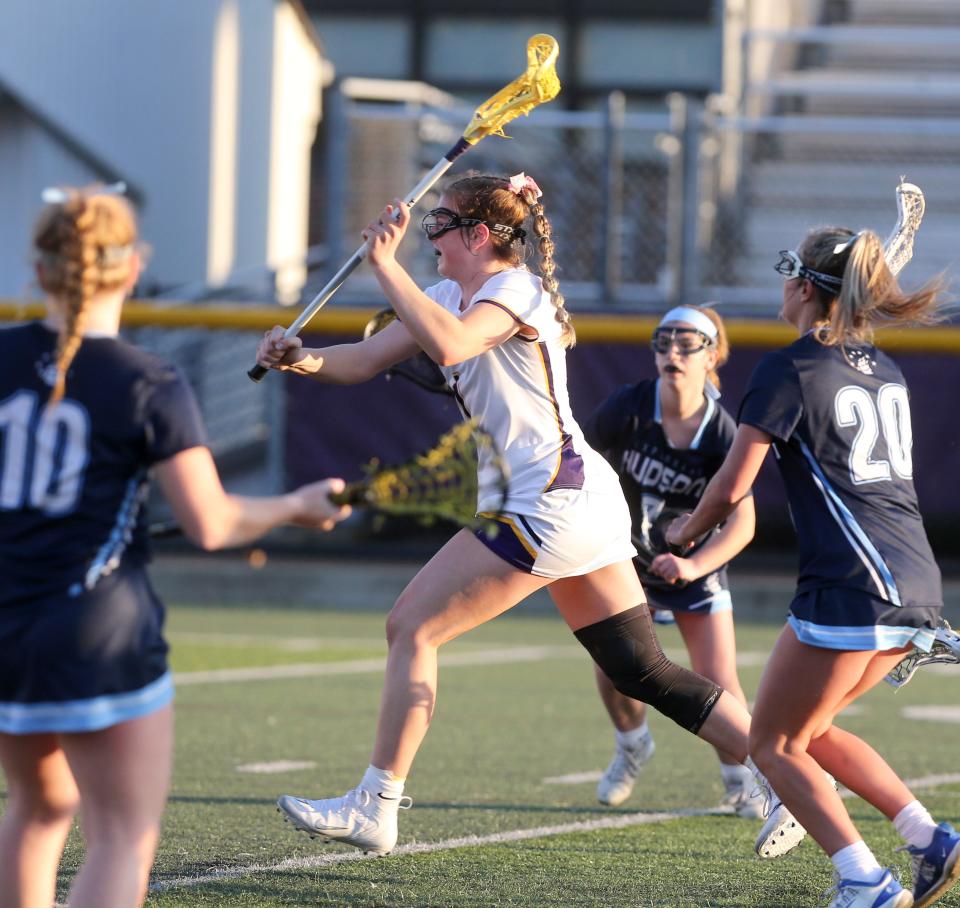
(936, 868)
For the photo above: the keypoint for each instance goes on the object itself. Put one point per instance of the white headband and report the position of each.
(695, 317)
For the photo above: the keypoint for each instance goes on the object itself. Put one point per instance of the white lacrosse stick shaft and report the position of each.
(333, 285)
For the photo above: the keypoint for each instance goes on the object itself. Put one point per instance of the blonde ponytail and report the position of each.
(870, 296)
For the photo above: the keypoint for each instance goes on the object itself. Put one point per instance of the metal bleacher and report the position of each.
(872, 93)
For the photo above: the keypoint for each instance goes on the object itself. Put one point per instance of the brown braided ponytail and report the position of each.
(492, 200)
(544, 233)
(84, 247)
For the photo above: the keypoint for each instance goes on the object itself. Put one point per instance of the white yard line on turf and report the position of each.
(932, 713)
(218, 638)
(364, 666)
(517, 835)
(499, 656)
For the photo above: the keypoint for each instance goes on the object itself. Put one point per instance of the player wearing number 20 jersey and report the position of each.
(840, 420)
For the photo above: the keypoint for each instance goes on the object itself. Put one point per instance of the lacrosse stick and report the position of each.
(537, 85)
(898, 249)
(419, 369)
(945, 651)
(440, 483)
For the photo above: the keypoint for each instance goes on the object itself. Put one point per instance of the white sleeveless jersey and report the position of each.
(518, 393)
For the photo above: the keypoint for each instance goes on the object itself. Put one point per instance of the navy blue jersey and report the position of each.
(73, 480)
(840, 419)
(659, 481)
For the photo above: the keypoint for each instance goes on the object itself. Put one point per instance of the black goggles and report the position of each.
(686, 340)
(791, 266)
(439, 221)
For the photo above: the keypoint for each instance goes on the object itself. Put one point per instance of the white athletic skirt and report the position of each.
(568, 533)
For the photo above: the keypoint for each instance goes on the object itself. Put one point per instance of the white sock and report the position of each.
(756, 772)
(915, 825)
(383, 783)
(856, 862)
(735, 774)
(633, 738)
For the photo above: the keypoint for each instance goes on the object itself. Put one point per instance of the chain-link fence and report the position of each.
(649, 209)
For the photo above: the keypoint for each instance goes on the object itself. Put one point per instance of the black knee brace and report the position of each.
(627, 650)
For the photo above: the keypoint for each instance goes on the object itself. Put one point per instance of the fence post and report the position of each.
(337, 174)
(611, 257)
(673, 147)
(683, 197)
(276, 427)
(690, 272)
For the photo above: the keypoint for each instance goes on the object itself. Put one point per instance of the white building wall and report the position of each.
(28, 156)
(177, 98)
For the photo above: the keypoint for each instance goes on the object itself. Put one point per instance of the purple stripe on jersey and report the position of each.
(513, 315)
(569, 473)
(507, 545)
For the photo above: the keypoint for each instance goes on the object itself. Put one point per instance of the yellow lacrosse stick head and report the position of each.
(537, 85)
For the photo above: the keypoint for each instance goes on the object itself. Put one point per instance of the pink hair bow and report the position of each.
(520, 181)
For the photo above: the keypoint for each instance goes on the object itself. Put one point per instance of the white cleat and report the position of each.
(782, 832)
(360, 818)
(747, 798)
(618, 779)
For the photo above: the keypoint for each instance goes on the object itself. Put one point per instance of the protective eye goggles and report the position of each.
(686, 340)
(791, 266)
(439, 221)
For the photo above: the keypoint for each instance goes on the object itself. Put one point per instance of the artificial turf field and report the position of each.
(494, 821)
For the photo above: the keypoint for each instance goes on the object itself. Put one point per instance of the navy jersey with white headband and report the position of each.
(840, 420)
(661, 482)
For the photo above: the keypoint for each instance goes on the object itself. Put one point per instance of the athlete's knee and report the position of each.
(406, 626)
(44, 800)
(41, 808)
(768, 747)
(627, 650)
(121, 824)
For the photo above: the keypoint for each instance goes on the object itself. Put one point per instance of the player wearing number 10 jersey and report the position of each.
(85, 690)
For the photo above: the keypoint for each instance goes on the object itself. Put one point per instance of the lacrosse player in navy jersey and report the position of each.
(85, 691)
(666, 437)
(836, 411)
(499, 334)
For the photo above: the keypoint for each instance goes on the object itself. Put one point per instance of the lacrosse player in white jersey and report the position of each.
(836, 410)
(499, 333)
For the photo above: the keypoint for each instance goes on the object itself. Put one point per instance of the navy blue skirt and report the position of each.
(75, 664)
(851, 619)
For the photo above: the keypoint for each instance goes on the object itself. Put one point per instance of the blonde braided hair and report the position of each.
(84, 246)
